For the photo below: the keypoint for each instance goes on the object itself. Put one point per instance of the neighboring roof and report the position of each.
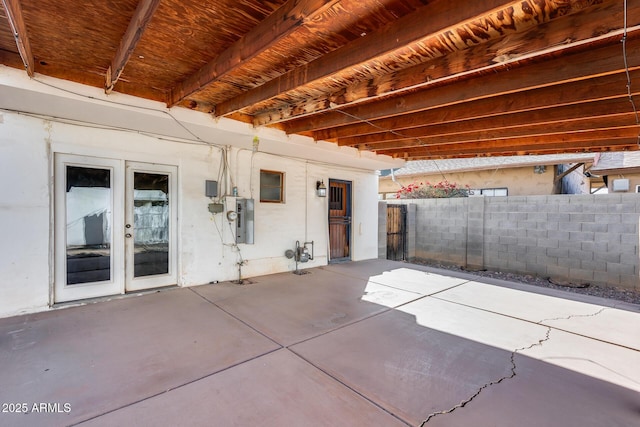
(628, 161)
(425, 167)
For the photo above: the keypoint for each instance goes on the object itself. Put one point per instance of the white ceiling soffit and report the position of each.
(66, 100)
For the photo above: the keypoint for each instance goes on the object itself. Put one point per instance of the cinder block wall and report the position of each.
(382, 230)
(577, 238)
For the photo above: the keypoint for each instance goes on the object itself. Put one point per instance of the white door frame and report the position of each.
(115, 285)
(121, 213)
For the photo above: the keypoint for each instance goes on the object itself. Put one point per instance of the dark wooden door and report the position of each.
(396, 232)
(339, 220)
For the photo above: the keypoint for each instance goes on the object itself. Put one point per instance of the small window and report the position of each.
(637, 188)
(271, 186)
(336, 197)
(494, 192)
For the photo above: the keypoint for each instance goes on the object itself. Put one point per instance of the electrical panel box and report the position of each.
(244, 221)
(211, 188)
(620, 185)
(216, 208)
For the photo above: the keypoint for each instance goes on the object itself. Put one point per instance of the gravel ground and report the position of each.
(620, 294)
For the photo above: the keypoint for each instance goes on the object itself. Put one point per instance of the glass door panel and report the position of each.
(150, 228)
(88, 196)
(150, 224)
(88, 206)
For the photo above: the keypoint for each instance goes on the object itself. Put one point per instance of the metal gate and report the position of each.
(396, 232)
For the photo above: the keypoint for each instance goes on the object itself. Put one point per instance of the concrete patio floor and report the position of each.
(372, 343)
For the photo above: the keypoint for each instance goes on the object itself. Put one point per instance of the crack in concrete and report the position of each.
(573, 316)
(513, 364)
(492, 383)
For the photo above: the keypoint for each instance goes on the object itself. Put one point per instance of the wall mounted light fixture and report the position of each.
(321, 190)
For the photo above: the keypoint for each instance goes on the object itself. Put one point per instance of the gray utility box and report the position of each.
(211, 188)
(244, 221)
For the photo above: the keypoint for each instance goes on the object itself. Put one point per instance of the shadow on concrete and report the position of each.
(344, 345)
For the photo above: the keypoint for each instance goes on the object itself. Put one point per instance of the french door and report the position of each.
(115, 227)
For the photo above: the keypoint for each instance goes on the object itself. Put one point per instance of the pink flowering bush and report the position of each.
(443, 189)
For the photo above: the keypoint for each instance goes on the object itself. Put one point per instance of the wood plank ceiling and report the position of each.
(406, 78)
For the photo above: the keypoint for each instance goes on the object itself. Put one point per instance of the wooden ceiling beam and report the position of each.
(579, 93)
(138, 23)
(12, 59)
(20, 34)
(577, 32)
(539, 151)
(534, 150)
(281, 23)
(572, 115)
(454, 28)
(556, 140)
(533, 131)
(582, 66)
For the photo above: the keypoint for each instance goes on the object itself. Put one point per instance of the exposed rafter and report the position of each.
(19, 30)
(575, 138)
(278, 25)
(609, 111)
(582, 66)
(436, 17)
(413, 79)
(502, 148)
(509, 49)
(610, 87)
(530, 131)
(141, 17)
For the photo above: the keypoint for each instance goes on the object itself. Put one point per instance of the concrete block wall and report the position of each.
(589, 238)
(382, 230)
(411, 235)
(577, 238)
(475, 233)
(444, 221)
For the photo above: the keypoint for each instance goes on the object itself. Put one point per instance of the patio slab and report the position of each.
(103, 356)
(420, 282)
(430, 355)
(578, 317)
(407, 369)
(583, 354)
(290, 308)
(366, 343)
(542, 395)
(278, 389)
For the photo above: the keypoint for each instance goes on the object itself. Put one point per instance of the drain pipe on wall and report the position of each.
(306, 199)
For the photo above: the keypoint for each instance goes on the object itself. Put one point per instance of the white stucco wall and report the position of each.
(205, 251)
(24, 215)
